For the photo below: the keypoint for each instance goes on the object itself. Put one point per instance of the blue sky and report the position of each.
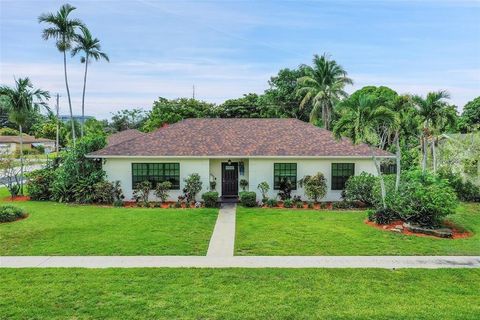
(227, 48)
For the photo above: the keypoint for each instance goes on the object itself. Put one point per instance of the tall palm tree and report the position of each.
(63, 30)
(360, 121)
(434, 112)
(323, 87)
(91, 49)
(21, 101)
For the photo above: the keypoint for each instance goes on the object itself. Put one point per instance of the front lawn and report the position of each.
(239, 294)
(312, 232)
(63, 229)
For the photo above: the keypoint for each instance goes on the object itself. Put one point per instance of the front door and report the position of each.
(229, 179)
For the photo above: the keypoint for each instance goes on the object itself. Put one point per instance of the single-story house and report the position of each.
(228, 150)
(11, 144)
(123, 136)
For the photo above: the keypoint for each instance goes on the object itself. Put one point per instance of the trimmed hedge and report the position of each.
(210, 198)
(10, 213)
(248, 198)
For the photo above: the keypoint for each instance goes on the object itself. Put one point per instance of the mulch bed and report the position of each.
(458, 233)
(16, 199)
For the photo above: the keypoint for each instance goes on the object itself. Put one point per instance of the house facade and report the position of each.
(11, 144)
(225, 151)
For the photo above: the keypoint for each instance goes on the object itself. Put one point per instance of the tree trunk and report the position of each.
(21, 159)
(380, 176)
(398, 156)
(434, 156)
(83, 97)
(69, 99)
(424, 153)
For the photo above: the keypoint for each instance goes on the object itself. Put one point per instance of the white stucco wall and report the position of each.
(121, 170)
(256, 171)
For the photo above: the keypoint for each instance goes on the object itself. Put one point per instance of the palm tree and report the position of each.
(63, 30)
(91, 49)
(21, 101)
(360, 121)
(434, 113)
(323, 87)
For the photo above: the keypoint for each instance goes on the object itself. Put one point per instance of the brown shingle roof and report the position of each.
(26, 139)
(239, 137)
(123, 136)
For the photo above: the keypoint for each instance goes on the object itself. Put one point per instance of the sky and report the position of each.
(230, 48)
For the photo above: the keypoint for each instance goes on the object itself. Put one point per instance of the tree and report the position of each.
(63, 30)
(21, 101)
(434, 113)
(360, 121)
(322, 87)
(315, 186)
(245, 107)
(470, 119)
(91, 49)
(128, 119)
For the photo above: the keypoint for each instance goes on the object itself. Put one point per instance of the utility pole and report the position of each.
(58, 127)
(193, 92)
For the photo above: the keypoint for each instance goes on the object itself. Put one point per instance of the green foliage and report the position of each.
(75, 178)
(343, 205)
(10, 213)
(127, 119)
(470, 119)
(286, 187)
(193, 185)
(161, 190)
(108, 193)
(245, 107)
(384, 95)
(39, 183)
(141, 192)
(465, 189)
(315, 186)
(360, 188)
(9, 132)
(272, 203)
(211, 199)
(166, 111)
(288, 203)
(248, 198)
(264, 188)
(243, 184)
(382, 216)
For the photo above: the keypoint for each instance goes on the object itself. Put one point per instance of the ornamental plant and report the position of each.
(193, 185)
(264, 188)
(315, 186)
(161, 190)
(243, 184)
(360, 188)
(141, 193)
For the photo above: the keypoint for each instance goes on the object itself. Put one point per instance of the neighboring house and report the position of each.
(79, 118)
(123, 136)
(11, 144)
(227, 150)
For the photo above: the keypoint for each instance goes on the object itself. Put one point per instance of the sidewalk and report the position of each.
(386, 262)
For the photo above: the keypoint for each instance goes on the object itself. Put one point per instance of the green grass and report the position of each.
(239, 294)
(313, 232)
(62, 229)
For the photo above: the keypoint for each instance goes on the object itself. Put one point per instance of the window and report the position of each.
(388, 168)
(156, 172)
(340, 174)
(284, 171)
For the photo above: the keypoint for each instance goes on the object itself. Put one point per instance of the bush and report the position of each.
(343, 205)
(108, 193)
(243, 184)
(10, 213)
(193, 185)
(360, 188)
(272, 203)
(141, 192)
(389, 187)
(315, 186)
(288, 203)
(248, 198)
(286, 188)
(465, 189)
(39, 183)
(382, 216)
(9, 132)
(161, 190)
(310, 205)
(263, 187)
(423, 198)
(210, 198)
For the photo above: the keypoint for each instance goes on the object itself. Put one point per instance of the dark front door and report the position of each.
(229, 179)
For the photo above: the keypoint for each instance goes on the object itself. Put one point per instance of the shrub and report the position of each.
(108, 193)
(193, 185)
(465, 189)
(10, 213)
(248, 198)
(243, 184)
(286, 188)
(389, 187)
(310, 205)
(264, 188)
(360, 188)
(161, 190)
(423, 198)
(39, 183)
(288, 203)
(382, 216)
(9, 132)
(315, 186)
(343, 205)
(141, 192)
(272, 203)
(210, 198)
(299, 204)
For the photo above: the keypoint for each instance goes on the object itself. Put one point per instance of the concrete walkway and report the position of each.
(222, 242)
(386, 262)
